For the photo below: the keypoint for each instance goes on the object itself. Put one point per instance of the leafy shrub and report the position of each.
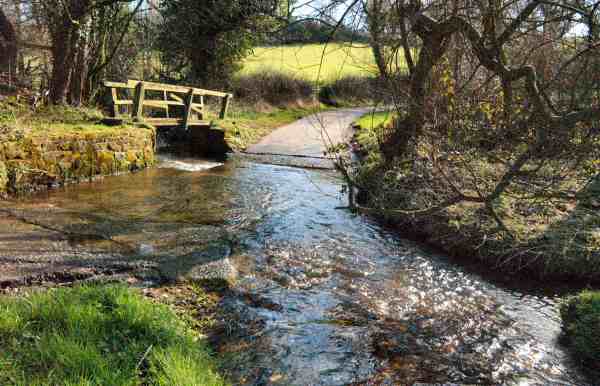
(274, 88)
(581, 325)
(8, 89)
(354, 90)
(310, 31)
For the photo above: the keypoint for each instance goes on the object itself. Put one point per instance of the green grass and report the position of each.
(369, 124)
(304, 61)
(53, 120)
(581, 325)
(12, 112)
(98, 335)
(373, 120)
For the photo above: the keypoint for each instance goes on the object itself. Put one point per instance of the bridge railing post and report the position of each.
(225, 106)
(115, 107)
(189, 102)
(166, 99)
(138, 104)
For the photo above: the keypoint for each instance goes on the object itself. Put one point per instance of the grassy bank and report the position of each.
(371, 122)
(98, 336)
(48, 119)
(548, 239)
(581, 326)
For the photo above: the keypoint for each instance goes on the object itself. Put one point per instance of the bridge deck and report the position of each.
(158, 122)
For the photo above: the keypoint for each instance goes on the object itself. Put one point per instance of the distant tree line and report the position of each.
(317, 32)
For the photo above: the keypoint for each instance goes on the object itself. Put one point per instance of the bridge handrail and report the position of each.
(169, 99)
(152, 86)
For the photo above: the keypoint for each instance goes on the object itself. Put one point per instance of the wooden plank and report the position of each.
(200, 123)
(119, 85)
(180, 89)
(166, 99)
(151, 86)
(163, 121)
(188, 109)
(176, 97)
(123, 102)
(169, 91)
(157, 103)
(138, 106)
(174, 122)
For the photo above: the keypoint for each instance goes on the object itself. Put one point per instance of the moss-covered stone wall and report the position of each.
(37, 160)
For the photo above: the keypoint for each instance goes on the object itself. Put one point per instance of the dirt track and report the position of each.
(310, 136)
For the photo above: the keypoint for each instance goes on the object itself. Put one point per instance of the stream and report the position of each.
(337, 299)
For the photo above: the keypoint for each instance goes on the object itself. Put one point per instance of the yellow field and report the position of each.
(310, 62)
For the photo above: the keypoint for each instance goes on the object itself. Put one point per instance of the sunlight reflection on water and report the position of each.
(336, 298)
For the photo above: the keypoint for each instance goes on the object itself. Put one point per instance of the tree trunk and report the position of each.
(65, 36)
(376, 24)
(410, 128)
(380, 59)
(62, 63)
(20, 65)
(203, 61)
(79, 73)
(8, 48)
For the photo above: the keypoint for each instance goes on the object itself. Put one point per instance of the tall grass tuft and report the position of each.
(98, 335)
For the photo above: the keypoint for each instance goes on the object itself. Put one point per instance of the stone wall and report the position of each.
(36, 160)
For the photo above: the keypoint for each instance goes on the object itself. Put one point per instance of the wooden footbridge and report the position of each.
(163, 104)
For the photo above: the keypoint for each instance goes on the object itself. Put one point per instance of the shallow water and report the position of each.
(337, 299)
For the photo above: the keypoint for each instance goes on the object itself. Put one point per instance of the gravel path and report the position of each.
(310, 136)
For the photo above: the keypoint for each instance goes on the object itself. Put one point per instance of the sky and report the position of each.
(308, 8)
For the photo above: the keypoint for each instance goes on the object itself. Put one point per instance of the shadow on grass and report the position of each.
(573, 244)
